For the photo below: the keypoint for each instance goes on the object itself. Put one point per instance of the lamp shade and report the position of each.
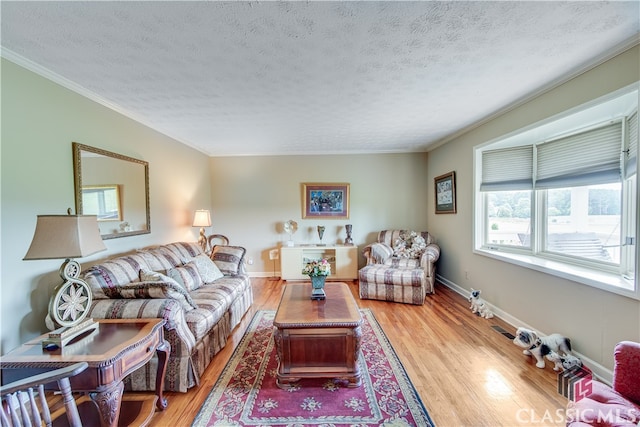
(65, 236)
(202, 218)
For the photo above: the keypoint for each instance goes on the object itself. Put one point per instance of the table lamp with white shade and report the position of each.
(67, 237)
(202, 219)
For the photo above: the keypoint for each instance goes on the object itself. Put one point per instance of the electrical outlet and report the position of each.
(250, 261)
(466, 274)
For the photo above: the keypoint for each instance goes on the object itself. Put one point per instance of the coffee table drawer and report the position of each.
(319, 350)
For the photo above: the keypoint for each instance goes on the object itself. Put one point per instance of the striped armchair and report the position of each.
(400, 267)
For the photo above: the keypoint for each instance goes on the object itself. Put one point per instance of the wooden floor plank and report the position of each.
(466, 373)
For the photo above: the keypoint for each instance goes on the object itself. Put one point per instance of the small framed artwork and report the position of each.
(445, 186)
(325, 200)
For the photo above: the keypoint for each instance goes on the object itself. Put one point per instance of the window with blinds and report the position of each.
(565, 194)
(588, 157)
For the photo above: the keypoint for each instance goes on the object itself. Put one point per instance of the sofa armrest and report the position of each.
(626, 372)
(377, 253)
(154, 308)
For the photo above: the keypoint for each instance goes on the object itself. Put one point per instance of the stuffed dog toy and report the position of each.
(478, 305)
(474, 299)
(538, 347)
(562, 363)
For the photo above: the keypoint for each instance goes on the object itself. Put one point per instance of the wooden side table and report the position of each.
(317, 339)
(117, 348)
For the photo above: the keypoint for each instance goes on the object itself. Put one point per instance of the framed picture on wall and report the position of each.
(325, 200)
(445, 186)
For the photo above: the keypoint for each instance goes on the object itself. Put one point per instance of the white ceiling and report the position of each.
(259, 78)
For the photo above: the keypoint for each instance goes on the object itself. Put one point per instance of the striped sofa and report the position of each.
(400, 267)
(201, 298)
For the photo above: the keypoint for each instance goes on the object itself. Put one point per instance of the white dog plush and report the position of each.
(538, 347)
(562, 363)
(478, 305)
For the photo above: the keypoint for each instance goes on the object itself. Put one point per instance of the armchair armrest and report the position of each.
(377, 253)
(626, 372)
(429, 257)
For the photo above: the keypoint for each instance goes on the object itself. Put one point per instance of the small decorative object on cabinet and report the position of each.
(290, 227)
(320, 234)
(348, 241)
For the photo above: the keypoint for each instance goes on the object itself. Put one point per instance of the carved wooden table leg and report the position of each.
(162, 351)
(108, 402)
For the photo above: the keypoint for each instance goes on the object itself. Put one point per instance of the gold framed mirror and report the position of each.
(115, 188)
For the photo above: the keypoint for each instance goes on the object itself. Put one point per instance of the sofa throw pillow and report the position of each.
(155, 276)
(209, 271)
(228, 258)
(187, 276)
(158, 289)
(380, 252)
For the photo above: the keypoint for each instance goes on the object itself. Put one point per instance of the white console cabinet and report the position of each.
(343, 260)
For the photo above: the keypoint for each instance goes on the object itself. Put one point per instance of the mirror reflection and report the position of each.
(113, 187)
(102, 201)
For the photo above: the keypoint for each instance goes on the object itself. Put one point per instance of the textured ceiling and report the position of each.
(238, 78)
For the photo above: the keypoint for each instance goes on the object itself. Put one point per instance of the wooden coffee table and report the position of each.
(320, 338)
(117, 348)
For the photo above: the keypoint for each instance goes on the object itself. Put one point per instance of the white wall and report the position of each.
(253, 196)
(595, 320)
(40, 119)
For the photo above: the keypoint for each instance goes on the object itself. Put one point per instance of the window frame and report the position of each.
(599, 274)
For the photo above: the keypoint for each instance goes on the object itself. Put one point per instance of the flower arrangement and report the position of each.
(319, 267)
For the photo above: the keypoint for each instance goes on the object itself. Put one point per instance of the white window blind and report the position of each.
(631, 155)
(507, 169)
(590, 157)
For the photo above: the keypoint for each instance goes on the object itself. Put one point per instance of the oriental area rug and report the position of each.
(246, 393)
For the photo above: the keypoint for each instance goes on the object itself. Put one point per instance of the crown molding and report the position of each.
(38, 69)
(622, 47)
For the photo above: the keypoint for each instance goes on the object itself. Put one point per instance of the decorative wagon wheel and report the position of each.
(72, 299)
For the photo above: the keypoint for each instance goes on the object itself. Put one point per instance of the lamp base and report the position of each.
(63, 336)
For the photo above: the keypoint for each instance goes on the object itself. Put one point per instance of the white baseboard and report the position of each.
(602, 373)
(267, 274)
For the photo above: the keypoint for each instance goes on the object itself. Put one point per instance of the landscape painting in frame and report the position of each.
(445, 187)
(325, 200)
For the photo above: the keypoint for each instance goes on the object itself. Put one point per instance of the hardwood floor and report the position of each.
(466, 373)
